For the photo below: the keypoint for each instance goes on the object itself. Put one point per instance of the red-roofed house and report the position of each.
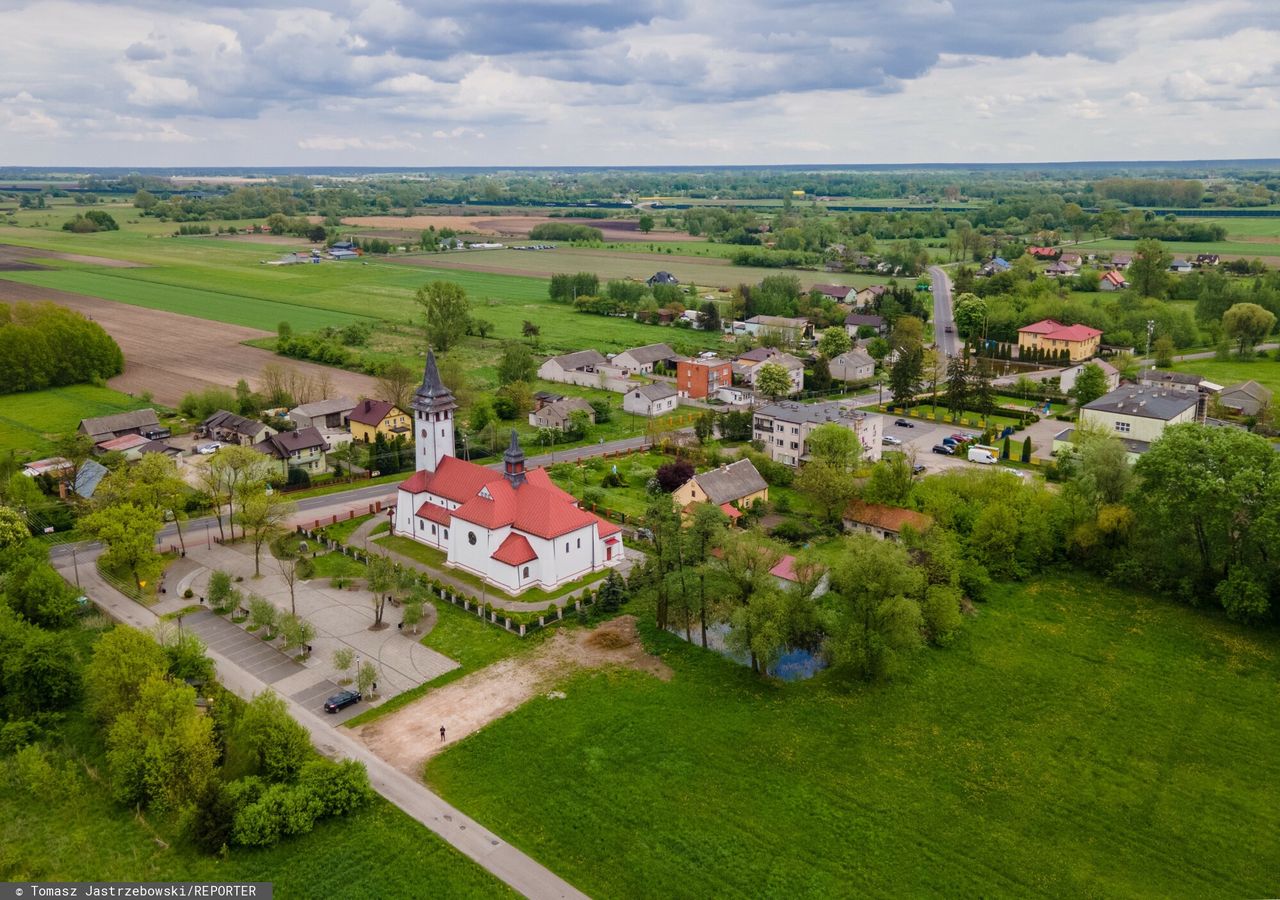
(883, 522)
(1052, 337)
(785, 574)
(514, 528)
(1043, 252)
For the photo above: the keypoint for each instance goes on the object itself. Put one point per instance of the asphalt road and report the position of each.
(943, 315)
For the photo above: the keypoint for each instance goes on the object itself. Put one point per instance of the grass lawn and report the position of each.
(27, 420)
(85, 836)
(968, 419)
(436, 559)
(338, 565)
(1265, 371)
(1075, 741)
(341, 531)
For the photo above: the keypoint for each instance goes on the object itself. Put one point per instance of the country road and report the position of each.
(943, 315)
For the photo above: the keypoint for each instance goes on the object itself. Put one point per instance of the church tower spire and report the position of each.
(513, 462)
(433, 407)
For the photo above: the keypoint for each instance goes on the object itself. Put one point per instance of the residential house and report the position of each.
(641, 360)
(785, 575)
(1042, 252)
(834, 265)
(134, 446)
(1180, 266)
(854, 322)
(883, 522)
(1247, 398)
(53, 466)
(1059, 269)
(734, 487)
(89, 477)
(869, 297)
(836, 292)
(556, 415)
(159, 446)
(852, 365)
(784, 427)
(542, 398)
(1135, 414)
(699, 379)
(1067, 377)
(138, 421)
(1121, 261)
(370, 418)
(229, 428)
(1112, 281)
(303, 449)
(790, 329)
(651, 400)
(661, 278)
(748, 365)
(1050, 336)
(995, 266)
(1206, 259)
(585, 368)
(736, 396)
(1071, 259)
(332, 414)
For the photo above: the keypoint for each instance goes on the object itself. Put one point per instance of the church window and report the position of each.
(526, 571)
(424, 432)
(579, 543)
(471, 537)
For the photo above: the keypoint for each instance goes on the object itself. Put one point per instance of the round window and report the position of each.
(471, 537)
(424, 432)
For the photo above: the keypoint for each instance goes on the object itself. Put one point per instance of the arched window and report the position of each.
(471, 537)
(526, 571)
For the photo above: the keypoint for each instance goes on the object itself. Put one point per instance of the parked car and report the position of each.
(341, 700)
(903, 423)
(944, 449)
(208, 449)
(891, 440)
(917, 469)
(951, 442)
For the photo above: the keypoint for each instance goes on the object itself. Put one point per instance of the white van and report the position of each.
(988, 456)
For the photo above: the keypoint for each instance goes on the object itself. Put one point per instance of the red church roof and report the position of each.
(515, 550)
(434, 512)
(537, 507)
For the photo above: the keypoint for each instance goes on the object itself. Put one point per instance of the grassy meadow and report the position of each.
(1076, 740)
(1264, 369)
(28, 420)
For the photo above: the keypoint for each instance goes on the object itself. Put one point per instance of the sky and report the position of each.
(642, 82)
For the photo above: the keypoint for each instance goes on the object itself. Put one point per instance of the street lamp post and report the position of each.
(1151, 327)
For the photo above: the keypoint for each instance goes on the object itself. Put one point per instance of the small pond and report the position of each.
(793, 665)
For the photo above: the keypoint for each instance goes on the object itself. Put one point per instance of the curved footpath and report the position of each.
(511, 866)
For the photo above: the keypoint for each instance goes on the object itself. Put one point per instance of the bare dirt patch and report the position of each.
(410, 736)
(169, 354)
(14, 258)
(510, 226)
(282, 240)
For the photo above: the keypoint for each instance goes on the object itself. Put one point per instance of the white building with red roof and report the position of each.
(514, 528)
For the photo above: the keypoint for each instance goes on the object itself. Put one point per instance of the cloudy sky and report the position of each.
(547, 82)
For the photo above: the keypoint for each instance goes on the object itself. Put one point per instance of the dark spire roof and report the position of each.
(513, 462)
(432, 395)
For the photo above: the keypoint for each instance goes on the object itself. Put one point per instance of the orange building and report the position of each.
(701, 378)
(1080, 341)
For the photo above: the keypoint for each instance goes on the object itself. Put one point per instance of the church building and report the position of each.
(514, 527)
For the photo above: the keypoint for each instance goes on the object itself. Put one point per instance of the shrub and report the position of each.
(673, 474)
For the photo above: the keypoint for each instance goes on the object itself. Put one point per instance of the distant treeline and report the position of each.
(48, 346)
(563, 231)
(1180, 192)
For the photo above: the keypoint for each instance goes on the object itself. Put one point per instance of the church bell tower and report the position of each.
(433, 407)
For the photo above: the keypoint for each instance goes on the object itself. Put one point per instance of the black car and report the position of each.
(944, 449)
(341, 700)
(903, 423)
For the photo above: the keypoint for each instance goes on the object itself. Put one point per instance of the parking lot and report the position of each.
(918, 442)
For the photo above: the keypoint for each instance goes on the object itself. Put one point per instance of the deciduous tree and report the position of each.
(445, 313)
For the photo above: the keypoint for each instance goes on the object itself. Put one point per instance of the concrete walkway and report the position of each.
(519, 871)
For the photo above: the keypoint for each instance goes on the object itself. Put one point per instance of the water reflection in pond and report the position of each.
(793, 665)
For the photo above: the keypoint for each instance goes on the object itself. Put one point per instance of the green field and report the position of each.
(28, 420)
(1189, 249)
(1264, 370)
(85, 835)
(1075, 741)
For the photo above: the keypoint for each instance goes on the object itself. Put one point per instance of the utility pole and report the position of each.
(1151, 327)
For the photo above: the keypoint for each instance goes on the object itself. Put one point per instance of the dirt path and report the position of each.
(170, 354)
(410, 736)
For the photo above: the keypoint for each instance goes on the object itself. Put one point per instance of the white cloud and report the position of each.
(354, 142)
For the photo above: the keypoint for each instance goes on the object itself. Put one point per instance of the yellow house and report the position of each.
(734, 487)
(1080, 341)
(373, 417)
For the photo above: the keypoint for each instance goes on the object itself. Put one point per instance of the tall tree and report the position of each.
(396, 383)
(833, 342)
(1090, 384)
(957, 386)
(706, 531)
(905, 376)
(744, 563)
(152, 481)
(875, 620)
(1149, 270)
(1246, 324)
(261, 518)
(517, 363)
(773, 381)
(129, 533)
(446, 312)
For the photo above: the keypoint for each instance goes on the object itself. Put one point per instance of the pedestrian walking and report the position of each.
(442, 734)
